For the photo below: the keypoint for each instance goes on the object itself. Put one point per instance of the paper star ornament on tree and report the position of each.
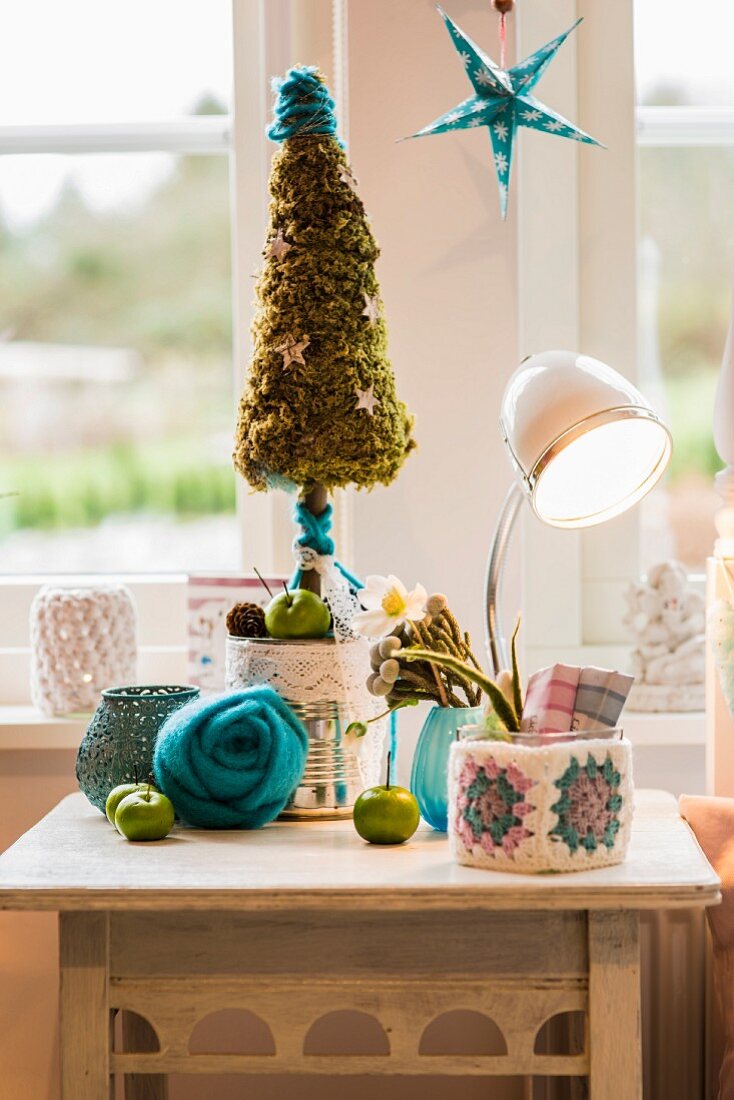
(366, 399)
(502, 102)
(292, 350)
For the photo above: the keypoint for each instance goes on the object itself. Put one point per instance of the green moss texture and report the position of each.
(299, 424)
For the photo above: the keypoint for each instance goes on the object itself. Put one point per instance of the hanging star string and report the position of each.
(503, 102)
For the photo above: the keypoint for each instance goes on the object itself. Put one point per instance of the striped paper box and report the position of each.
(600, 697)
(550, 700)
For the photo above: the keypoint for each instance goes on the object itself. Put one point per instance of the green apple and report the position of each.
(297, 614)
(116, 795)
(387, 814)
(145, 815)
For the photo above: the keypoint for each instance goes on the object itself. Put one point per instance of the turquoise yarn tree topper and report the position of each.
(502, 102)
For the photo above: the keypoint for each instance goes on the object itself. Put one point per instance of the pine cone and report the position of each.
(246, 620)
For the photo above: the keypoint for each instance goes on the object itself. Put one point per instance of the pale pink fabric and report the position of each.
(550, 699)
(712, 820)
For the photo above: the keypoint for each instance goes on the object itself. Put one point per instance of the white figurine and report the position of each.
(667, 619)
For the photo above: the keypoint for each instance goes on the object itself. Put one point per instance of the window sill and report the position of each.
(23, 728)
(665, 730)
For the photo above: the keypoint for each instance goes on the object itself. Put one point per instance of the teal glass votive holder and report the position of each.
(121, 737)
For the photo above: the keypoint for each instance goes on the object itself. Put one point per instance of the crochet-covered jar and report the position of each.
(82, 641)
(121, 737)
(563, 805)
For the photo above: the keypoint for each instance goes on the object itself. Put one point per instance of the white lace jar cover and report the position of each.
(311, 672)
(82, 641)
(564, 807)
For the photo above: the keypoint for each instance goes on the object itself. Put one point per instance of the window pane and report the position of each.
(87, 61)
(116, 401)
(683, 52)
(686, 245)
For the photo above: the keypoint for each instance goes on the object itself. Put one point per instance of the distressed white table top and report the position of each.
(73, 859)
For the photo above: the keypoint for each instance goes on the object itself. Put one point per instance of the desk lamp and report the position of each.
(585, 446)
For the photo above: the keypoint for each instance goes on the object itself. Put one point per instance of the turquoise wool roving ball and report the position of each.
(231, 761)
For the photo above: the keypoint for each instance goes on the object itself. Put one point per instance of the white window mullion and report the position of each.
(198, 134)
(548, 316)
(691, 126)
(261, 37)
(268, 39)
(608, 279)
(577, 289)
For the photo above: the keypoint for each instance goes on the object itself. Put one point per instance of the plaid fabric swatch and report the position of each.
(550, 700)
(599, 700)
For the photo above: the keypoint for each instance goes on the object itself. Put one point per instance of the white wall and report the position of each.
(448, 280)
(448, 276)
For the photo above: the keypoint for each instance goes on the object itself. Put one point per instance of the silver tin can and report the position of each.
(332, 780)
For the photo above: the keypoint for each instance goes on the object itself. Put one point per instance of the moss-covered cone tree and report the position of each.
(320, 409)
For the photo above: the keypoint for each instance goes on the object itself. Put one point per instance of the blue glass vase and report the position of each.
(429, 776)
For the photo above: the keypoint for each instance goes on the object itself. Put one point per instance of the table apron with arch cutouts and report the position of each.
(404, 971)
(292, 924)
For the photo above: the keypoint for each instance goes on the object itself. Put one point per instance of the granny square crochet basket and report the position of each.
(561, 807)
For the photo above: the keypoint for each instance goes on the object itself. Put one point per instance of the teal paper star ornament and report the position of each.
(503, 101)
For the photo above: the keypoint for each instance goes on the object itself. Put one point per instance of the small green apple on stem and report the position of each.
(297, 614)
(386, 814)
(145, 814)
(116, 795)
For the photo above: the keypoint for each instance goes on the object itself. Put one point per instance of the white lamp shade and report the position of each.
(583, 440)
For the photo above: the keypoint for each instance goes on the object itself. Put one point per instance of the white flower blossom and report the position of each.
(388, 604)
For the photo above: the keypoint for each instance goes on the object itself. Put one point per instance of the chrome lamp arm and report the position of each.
(496, 640)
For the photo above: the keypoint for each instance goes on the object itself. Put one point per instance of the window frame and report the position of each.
(577, 214)
(264, 39)
(578, 617)
(593, 228)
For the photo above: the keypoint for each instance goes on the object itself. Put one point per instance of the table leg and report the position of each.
(615, 1037)
(138, 1035)
(84, 1007)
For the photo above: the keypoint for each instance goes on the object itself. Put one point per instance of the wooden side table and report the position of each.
(296, 921)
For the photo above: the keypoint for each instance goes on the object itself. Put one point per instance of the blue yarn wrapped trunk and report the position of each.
(231, 761)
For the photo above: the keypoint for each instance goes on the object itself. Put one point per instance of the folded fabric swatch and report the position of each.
(550, 699)
(231, 761)
(600, 698)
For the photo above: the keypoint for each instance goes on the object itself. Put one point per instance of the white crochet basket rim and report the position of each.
(541, 836)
